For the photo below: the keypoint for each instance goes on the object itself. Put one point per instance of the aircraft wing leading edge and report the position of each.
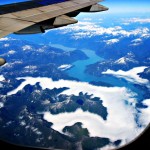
(36, 16)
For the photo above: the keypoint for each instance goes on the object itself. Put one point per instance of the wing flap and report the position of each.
(64, 20)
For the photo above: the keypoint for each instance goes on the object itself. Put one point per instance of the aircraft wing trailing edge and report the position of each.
(36, 16)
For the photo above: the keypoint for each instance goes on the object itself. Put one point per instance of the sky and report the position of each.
(114, 5)
(125, 6)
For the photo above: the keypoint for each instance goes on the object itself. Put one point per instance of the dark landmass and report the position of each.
(23, 112)
(99, 83)
(29, 59)
(145, 74)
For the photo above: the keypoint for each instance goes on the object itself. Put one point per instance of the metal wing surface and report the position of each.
(36, 16)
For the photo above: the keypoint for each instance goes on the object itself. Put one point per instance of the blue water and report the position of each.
(78, 71)
(121, 83)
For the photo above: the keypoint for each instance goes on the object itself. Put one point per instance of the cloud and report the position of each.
(87, 19)
(26, 47)
(126, 24)
(131, 75)
(136, 42)
(4, 39)
(145, 35)
(120, 123)
(111, 41)
(145, 112)
(91, 29)
(138, 20)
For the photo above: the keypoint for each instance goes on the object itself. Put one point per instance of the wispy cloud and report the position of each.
(136, 42)
(137, 20)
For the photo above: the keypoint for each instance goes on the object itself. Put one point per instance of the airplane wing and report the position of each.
(36, 16)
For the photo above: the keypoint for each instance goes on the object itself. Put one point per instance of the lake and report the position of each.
(78, 71)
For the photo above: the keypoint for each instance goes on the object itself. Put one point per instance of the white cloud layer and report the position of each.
(90, 29)
(145, 112)
(131, 75)
(120, 123)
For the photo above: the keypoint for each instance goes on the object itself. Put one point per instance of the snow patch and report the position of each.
(64, 67)
(121, 61)
(26, 47)
(11, 52)
(1, 105)
(2, 78)
(111, 41)
(6, 45)
(125, 60)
